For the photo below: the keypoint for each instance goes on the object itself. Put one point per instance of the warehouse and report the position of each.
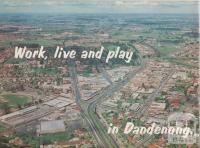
(53, 126)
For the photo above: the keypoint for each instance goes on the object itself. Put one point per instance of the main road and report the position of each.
(143, 112)
(88, 108)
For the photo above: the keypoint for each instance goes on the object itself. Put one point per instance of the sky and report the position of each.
(98, 6)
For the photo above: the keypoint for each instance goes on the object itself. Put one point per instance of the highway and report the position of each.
(88, 108)
(76, 91)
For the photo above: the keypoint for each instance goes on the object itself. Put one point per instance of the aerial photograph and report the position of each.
(99, 74)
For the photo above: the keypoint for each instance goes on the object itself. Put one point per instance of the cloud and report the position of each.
(98, 5)
(152, 2)
(105, 2)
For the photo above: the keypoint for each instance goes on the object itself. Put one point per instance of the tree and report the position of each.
(163, 93)
(40, 101)
(143, 86)
(59, 80)
(19, 106)
(46, 141)
(6, 108)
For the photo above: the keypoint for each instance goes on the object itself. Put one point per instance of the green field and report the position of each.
(48, 71)
(50, 138)
(34, 140)
(15, 61)
(167, 49)
(2, 128)
(15, 100)
(40, 41)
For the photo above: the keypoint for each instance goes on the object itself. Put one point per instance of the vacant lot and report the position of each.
(15, 100)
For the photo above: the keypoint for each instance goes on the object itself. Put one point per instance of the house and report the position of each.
(157, 108)
(174, 101)
(134, 107)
